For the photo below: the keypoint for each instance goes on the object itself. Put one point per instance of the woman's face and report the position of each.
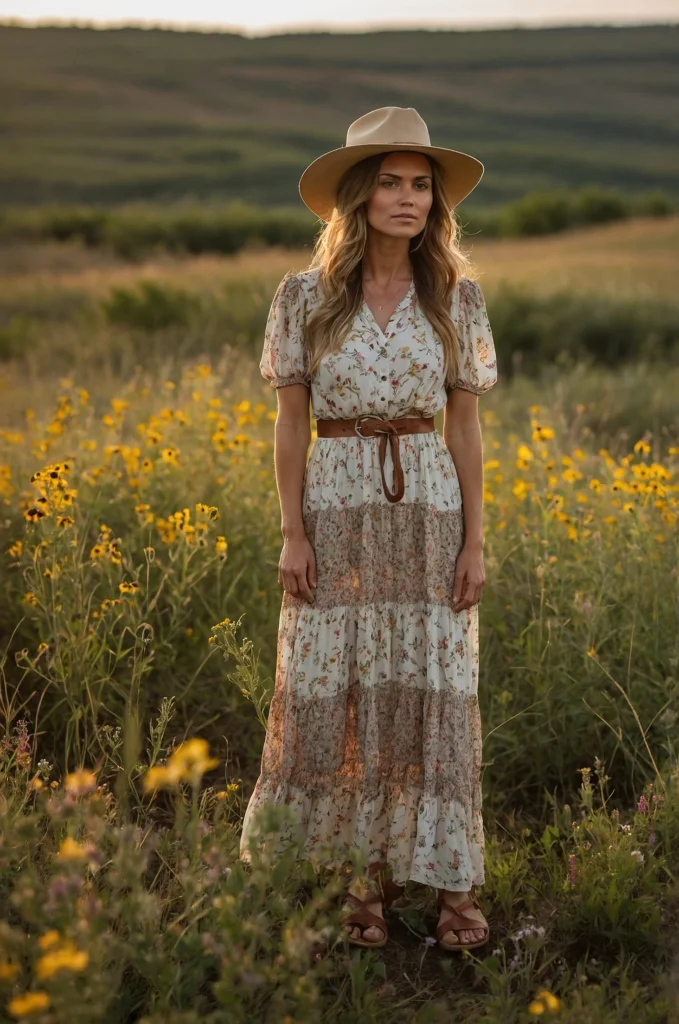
(403, 195)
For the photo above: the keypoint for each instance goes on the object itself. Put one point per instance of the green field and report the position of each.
(112, 116)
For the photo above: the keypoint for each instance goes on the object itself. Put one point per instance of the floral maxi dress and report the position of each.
(374, 732)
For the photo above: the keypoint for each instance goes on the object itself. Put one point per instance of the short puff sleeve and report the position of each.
(477, 369)
(284, 357)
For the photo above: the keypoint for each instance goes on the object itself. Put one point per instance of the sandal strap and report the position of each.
(457, 921)
(360, 915)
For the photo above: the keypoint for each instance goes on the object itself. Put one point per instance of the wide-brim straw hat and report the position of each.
(385, 130)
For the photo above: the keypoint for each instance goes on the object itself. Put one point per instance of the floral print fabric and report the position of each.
(374, 734)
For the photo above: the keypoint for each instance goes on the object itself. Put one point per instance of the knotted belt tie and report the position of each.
(386, 428)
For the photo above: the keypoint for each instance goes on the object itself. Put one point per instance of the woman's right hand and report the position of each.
(297, 567)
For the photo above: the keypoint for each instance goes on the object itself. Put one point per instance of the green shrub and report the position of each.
(150, 306)
(533, 331)
(136, 229)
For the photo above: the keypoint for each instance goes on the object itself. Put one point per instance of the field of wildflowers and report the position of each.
(138, 611)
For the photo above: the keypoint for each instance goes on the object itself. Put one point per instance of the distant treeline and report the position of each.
(135, 230)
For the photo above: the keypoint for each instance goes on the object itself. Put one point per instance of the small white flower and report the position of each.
(525, 933)
(638, 856)
(430, 940)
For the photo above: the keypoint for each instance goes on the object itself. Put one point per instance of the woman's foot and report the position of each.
(461, 936)
(371, 933)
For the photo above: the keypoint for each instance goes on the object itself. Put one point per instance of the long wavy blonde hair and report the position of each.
(437, 262)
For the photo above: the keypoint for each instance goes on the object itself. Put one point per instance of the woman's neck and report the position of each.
(386, 260)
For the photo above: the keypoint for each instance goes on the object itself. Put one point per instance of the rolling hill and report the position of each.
(107, 116)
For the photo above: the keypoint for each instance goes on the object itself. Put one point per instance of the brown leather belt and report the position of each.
(386, 428)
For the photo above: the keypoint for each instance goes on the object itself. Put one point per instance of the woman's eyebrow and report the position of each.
(417, 177)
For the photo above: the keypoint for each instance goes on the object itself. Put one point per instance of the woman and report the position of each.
(374, 737)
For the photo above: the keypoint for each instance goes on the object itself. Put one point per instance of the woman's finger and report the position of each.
(303, 588)
(459, 586)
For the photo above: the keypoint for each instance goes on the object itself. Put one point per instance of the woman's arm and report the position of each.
(292, 435)
(462, 435)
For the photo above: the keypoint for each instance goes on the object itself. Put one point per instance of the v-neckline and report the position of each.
(397, 309)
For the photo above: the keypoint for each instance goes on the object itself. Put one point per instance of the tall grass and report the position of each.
(141, 537)
(132, 323)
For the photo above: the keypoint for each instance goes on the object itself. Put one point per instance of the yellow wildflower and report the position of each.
(70, 850)
(49, 940)
(80, 782)
(67, 958)
(128, 588)
(28, 1004)
(552, 1002)
(571, 475)
(160, 777)
(542, 433)
(642, 447)
(34, 514)
(520, 489)
(191, 760)
(170, 455)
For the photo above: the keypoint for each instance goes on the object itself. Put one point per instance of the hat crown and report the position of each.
(398, 126)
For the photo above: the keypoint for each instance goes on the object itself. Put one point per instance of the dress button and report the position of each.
(384, 378)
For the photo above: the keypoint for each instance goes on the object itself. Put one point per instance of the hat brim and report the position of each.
(319, 182)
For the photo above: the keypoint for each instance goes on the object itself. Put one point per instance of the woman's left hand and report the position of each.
(470, 576)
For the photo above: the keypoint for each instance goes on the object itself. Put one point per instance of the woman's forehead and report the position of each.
(405, 164)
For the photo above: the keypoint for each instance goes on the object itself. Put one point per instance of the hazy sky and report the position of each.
(259, 16)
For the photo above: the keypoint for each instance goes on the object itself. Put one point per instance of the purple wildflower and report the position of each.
(642, 806)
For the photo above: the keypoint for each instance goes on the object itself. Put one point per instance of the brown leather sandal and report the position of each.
(457, 921)
(387, 891)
